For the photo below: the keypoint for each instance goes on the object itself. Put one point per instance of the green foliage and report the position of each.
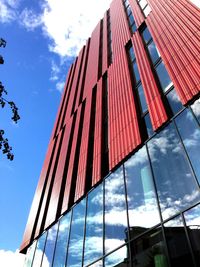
(4, 144)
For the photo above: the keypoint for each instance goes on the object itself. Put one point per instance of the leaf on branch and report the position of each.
(4, 145)
(14, 108)
(2, 102)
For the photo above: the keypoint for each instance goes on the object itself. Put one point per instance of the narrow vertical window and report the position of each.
(129, 14)
(100, 50)
(105, 158)
(139, 94)
(170, 97)
(109, 38)
(91, 141)
(144, 7)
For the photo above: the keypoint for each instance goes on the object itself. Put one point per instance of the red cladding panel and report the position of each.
(119, 27)
(82, 75)
(66, 100)
(105, 44)
(71, 163)
(74, 85)
(155, 105)
(63, 99)
(137, 13)
(124, 135)
(83, 155)
(96, 172)
(93, 60)
(53, 204)
(50, 178)
(37, 198)
(175, 27)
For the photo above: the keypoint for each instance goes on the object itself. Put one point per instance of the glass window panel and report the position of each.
(196, 109)
(177, 188)
(143, 3)
(131, 19)
(177, 243)
(147, 10)
(115, 211)
(128, 10)
(142, 204)
(131, 53)
(117, 258)
(136, 72)
(75, 249)
(149, 250)
(142, 98)
(190, 134)
(146, 35)
(133, 27)
(153, 51)
(50, 245)
(148, 125)
(62, 241)
(192, 218)
(94, 226)
(174, 101)
(39, 250)
(30, 255)
(126, 3)
(97, 264)
(163, 77)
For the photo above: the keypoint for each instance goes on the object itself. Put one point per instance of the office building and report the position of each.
(120, 181)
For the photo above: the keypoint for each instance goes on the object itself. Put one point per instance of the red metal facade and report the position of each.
(175, 28)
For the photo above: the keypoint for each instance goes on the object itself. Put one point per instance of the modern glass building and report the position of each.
(120, 181)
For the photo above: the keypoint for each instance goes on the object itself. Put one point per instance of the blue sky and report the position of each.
(43, 37)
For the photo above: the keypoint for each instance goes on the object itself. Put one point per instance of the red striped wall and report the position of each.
(123, 125)
(96, 172)
(155, 105)
(93, 59)
(175, 27)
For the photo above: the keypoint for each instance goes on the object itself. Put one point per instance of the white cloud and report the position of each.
(8, 11)
(29, 19)
(68, 24)
(60, 86)
(9, 258)
(196, 2)
(55, 70)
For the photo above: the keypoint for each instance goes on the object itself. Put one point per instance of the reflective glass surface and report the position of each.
(39, 250)
(196, 109)
(142, 99)
(176, 185)
(192, 218)
(115, 211)
(178, 248)
(30, 255)
(133, 27)
(143, 3)
(142, 204)
(49, 247)
(136, 72)
(146, 35)
(149, 250)
(153, 51)
(131, 19)
(128, 10)
(131, 54)
(75, 249)
(117, 258)
(174, 101)
(190, 134)
(97, 264)
(163, 77)
(148, 125)
(62, 241)
(93, 248)
(147, 10)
